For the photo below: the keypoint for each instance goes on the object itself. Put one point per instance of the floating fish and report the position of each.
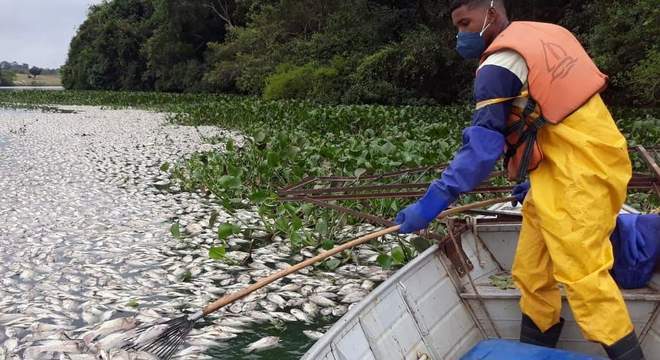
(266, 343)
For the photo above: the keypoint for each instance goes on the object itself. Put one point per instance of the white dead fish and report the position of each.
(69, 346)
(266, 343)
(111, 341)
(339, 310)
(310, 308)
(354, 297)
(284, 316)
(274, 298)
(151, 333)
(314, 335)
(300, 315)
(321, 301)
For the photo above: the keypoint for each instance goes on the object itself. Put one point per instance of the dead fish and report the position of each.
(68, 346)
(230, 329)
(268, 306)
(109, 327)
(10, 344)
(236, 308)
(321, 301)
(290, 294)
(284, 316)
(295, 303)
(339, 310)
(326, 289)
(367, 285)
(306, 290)
(111, 341)
(354, 297)
(274, 298)
(290, 287)
(326, 311)
(310, 308)
(314, 335)
(348, 288)
(11, 319)
(266, 343)
(300, 315)
(260, 316)
(328, 295)
(233, 322)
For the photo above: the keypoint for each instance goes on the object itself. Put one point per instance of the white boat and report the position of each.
(430, 309)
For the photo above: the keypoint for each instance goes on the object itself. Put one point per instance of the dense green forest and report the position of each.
(336, 51)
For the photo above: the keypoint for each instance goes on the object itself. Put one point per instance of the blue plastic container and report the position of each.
(509, 350)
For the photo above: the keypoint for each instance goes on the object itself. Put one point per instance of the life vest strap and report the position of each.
(482, 104)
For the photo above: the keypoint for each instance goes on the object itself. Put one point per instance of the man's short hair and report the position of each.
(455, 4)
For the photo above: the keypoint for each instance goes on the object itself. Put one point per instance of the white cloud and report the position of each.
(38, 32)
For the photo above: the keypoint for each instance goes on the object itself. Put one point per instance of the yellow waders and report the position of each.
(568, 215)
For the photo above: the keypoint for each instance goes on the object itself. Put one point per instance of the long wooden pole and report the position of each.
(230, 298)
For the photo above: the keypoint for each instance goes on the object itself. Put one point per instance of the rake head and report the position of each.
(163, 339)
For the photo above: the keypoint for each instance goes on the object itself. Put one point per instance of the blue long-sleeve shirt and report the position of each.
(503, 74)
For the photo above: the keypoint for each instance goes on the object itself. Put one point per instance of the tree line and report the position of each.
(336, 51)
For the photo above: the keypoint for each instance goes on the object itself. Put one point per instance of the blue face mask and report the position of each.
(470, 45)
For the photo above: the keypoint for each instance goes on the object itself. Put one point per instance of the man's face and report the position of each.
(470, 19)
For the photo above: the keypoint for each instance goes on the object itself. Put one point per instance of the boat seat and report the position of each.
(508, 349)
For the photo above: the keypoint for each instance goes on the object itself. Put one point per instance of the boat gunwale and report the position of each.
(353, 315)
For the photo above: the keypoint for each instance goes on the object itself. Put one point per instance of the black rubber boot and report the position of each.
(625, 349)
(531, 334)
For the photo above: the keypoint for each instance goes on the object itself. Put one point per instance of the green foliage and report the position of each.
(409, 72)
(352, 51)
(502, 281)
(217, 252)
(644, 79)
(175, 230)
(625, 42)
(175, 51)
(309, 81)
(106, 53)
(6, 78)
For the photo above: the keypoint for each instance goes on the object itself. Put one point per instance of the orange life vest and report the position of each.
(561, 78)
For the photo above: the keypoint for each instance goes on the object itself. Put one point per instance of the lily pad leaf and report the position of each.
(385, 261)
(217, 252)
(332, 264)
(225, 230)
(175, 230)
(398, 256)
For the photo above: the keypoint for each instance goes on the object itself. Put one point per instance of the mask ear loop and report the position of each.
(484, 26)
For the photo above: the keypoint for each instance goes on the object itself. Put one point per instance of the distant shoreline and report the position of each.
(41, 80)
(32, 87)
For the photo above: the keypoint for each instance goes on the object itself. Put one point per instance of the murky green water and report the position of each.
(293, 343)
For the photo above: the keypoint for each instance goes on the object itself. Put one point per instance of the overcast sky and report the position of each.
(38, 32)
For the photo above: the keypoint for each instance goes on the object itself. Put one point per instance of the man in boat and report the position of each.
(537, 94)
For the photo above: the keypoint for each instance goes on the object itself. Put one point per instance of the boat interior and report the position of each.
(444, 302)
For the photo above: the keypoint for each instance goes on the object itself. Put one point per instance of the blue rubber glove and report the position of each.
(520, 191)
(471, 165)
(419, 215)
(636, 245)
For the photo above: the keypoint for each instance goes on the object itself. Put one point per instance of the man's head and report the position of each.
(488, 18)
